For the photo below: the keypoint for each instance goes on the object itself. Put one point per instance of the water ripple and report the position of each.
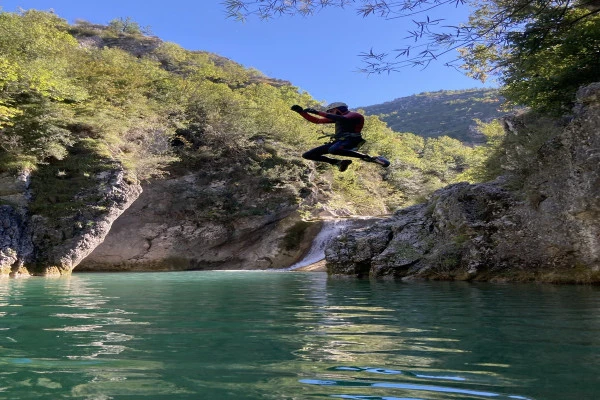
(408, 387)
(251, 336)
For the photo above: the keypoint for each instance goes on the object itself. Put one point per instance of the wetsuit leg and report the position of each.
(317, 154)
(342, 148)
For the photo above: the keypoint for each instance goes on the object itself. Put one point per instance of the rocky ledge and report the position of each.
(172, 227)
(547, 231)
(33, 243)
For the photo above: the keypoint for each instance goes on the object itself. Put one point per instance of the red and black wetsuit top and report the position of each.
(350, 122)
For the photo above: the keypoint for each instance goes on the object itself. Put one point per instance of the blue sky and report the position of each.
(319, 54)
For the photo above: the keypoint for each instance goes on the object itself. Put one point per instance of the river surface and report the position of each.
(290, 335)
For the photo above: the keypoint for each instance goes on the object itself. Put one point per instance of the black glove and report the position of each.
(311, 110)
(297, 108)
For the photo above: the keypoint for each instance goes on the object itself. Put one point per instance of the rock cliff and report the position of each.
(547, 230)
(175, 226)
(210, 215)
(50, 242)
(61, 244)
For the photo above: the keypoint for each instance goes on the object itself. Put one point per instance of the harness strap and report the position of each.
(348, 135)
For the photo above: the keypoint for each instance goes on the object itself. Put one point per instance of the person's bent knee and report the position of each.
(308, 156)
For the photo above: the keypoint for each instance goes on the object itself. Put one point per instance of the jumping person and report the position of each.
(346, 139)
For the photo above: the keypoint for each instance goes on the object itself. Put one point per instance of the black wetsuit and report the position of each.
(346, 138)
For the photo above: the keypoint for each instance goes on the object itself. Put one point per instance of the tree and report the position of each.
(128, 26)
(35, 134)
(546, 77)
(503, 38)
(33, 50)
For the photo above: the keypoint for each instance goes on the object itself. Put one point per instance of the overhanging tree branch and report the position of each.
(492, 25)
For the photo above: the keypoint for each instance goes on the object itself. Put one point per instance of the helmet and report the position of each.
(336, 104)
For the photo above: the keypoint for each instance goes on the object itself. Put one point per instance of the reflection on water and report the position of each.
(251, 335)
(407, 387)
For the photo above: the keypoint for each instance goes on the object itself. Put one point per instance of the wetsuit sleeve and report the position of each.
(317, 120)
(346, 117)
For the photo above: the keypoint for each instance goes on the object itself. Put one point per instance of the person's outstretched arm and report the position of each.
(306, 114)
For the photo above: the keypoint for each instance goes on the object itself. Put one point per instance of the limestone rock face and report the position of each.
(172, 227)
(32, 243)
(13, 242)
(549, 230)
(14, 189)
(60, 245)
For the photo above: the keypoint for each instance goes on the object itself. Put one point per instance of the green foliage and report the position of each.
(127, 26)
(549, 62)
(34, 53)
(486, 160)
(543, 51)
(445, 158)
(358, 191)
(67, 186)
(419, 166)
(37, 133)
(48, 85)
(508, 151)
(35, 84)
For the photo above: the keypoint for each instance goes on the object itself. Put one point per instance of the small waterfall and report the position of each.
(330, 229)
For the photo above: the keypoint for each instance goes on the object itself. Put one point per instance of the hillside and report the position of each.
(441, 113)
(96, 118)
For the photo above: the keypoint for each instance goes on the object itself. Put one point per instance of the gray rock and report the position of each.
(178, 224)
(549, 230)
(40, 245)
(13, 244)
(61, 245)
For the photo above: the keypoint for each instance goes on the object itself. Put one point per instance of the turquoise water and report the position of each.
(257, 335)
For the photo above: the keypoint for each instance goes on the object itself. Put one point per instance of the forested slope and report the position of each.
(120, 95)
(441, 113)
